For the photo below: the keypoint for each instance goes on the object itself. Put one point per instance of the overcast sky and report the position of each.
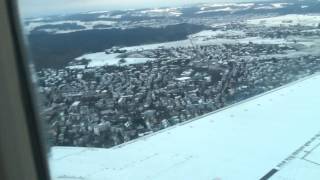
(47, 7)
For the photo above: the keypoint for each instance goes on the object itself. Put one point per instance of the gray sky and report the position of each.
(46, 7)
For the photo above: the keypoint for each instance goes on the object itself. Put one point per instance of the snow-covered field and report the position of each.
(272, 6)
(224, 7)
(183, 78)
(102, 59)
(110, 16)
(280, 5)
(217, 37)
(232, 7)
(210, 33)
(244, 141)
(162, 12)
(77, 67)
(227, 9)
(207, 37)
(220, 5)
(288, 20)
(87, 25)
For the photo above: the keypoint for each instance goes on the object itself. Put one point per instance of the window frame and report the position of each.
(23, 155)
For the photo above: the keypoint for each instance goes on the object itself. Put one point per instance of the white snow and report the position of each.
(87, 25)
(183, 78)
(36, 19)
(244, 141)
(102, 59)
(90, 24)
(76, 103)
(312, 30)
(259, 40)
(210, 33)
(273, 6)
(207, 37)
(109, 16)
(201, 39)
(96, 12)
(264, 7)
(224, 7)
(205, 6)
(137, 60)
(163, 11)
(104, 16)
(76, 67)
(245, 40)
(279, 5)
(287, 20)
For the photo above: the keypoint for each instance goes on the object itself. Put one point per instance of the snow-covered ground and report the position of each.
(224, 7)
(207, 37)
(102, 59)
(88, 25)
(288, 20)
(96, 12)
(272, 6)
(110, 16)
(244, 141)
(183, 78)
(239, 6)
(219, 5)
(210, 33)
(76, 67)
(280, 5)
(162, 12)
(227, 9)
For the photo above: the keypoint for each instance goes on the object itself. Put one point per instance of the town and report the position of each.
(108, 105)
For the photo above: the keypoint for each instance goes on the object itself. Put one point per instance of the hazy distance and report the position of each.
(29, 8)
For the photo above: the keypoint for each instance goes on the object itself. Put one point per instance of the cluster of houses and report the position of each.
(108, 105)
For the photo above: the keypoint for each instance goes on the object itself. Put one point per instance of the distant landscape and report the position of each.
(57, 40)
(57, 50)
(109, 77)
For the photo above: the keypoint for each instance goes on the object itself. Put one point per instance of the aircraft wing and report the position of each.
(275, 135)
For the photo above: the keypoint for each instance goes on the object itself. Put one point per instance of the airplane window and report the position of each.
(177, 89)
